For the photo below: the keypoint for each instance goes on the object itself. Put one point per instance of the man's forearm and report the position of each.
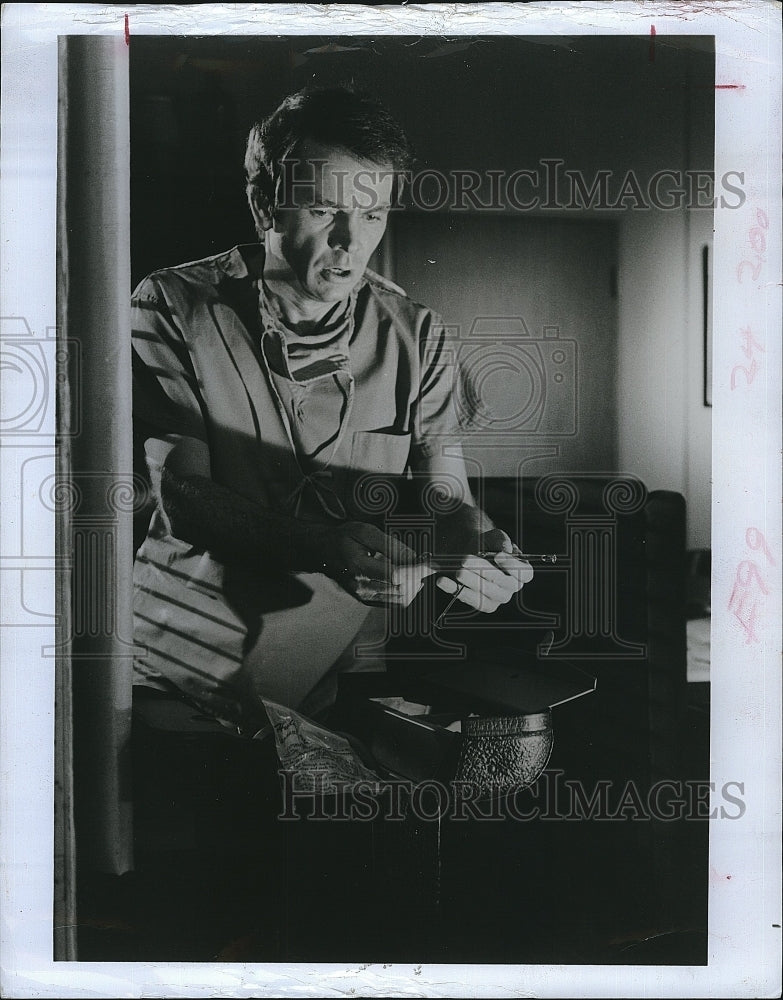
(237, 530)
(460, 531)
(461, 523)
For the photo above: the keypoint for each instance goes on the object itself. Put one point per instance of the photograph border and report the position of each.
(744, 889)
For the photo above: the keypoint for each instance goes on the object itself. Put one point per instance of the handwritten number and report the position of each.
(758, 243)
(755, 269)
(749, 342)
(755, 540)
(750, 373)
(742, 603)
(758, 240)
(748, 571)
(746, 617)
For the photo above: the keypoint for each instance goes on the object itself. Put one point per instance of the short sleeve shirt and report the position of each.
(207, 398)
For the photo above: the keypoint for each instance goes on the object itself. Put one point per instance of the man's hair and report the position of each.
(338, 117)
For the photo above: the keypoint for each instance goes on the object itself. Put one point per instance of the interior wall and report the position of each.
(664, 427)
(530, 308)
(652, 373)
(698, 417)
(701, 155)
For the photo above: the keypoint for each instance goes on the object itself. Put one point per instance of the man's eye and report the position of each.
(374, 216)
(321, 213)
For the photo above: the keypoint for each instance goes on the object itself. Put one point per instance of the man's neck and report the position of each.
(299, 313)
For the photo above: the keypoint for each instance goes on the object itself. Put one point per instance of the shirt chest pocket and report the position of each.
(377, 459)
(379, 452)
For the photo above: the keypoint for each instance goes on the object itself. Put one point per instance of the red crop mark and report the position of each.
(718, 86)
(127, 30)
(652, 43)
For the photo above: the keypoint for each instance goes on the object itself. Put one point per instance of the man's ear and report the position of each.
(260, 209)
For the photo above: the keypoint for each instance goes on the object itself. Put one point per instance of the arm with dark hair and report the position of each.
(370, 565)
(479, 562)
(476, 561)
(198, 510)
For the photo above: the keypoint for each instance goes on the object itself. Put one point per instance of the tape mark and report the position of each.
(127, 30)
(652, 43)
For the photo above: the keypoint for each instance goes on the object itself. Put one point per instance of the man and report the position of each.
(276, 385)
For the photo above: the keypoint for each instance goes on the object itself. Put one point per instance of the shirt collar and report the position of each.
(270, 315)
(243, 261)
(247, 261)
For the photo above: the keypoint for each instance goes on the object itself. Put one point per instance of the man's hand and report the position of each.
(372, 566)
(491, 578)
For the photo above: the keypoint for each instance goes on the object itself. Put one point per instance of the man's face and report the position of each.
(329, 221)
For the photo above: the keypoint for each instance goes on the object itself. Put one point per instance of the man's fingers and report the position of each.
(496, 540)
(399, 553)
(372, 565)
(374, 540)
(520, 569)
(380, 592)
(406, 576)
(368, 594)
(495, 585)
(473, 598)
(380, 569)
(404, 567)
(412, 574)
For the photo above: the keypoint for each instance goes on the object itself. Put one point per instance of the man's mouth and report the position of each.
(336, 273)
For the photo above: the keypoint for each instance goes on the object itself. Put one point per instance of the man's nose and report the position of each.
(345, 232)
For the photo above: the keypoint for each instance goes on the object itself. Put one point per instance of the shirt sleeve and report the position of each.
(168, 409)
(436, 413)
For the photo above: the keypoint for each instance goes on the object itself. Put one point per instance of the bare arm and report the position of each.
(462, 532)
(460, 524)
(367, 563)
(237, 530)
